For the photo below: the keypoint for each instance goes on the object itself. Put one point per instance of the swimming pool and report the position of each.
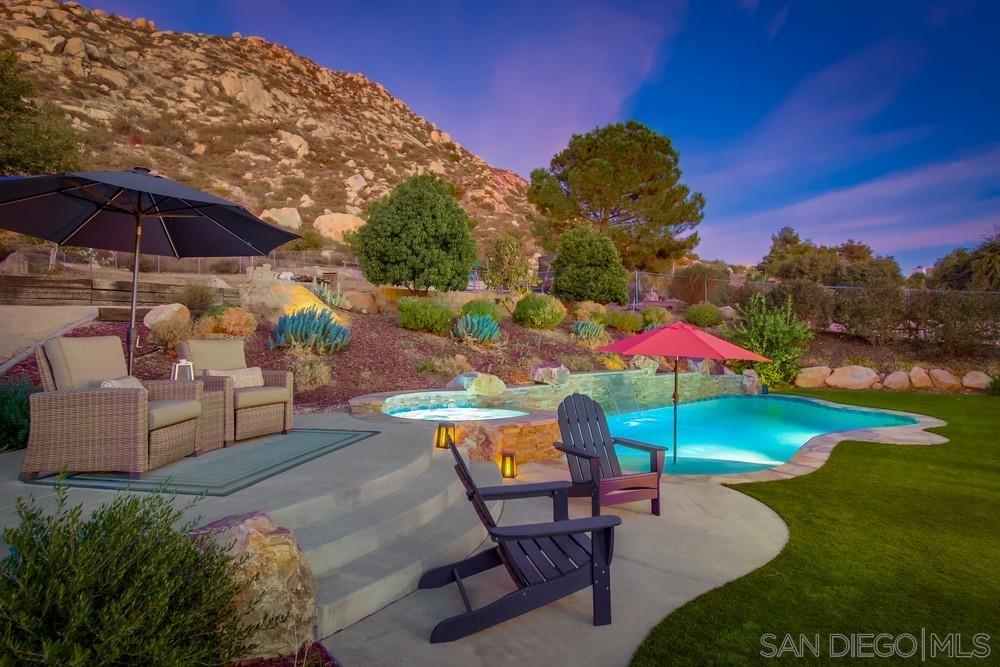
(738, 434)
(454, 413)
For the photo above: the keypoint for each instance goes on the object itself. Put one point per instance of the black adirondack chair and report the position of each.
(547, 561)
(593, 462)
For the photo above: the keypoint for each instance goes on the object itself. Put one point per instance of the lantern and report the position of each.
(508, 465)
(444, 435)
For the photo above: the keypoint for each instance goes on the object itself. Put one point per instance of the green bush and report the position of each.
(482, 307)
(424, 314)
(311, 328)
(699, 282)
(539, 311)
(656, 315)
(704, 314)
(812, 303)
(122, 587)
(507, 268)
(590, 311)
(588, 268)
(773, 332)
(624, 320)
(198, 296)
(958, 322)
(587, 330)
(14, 413)
(651, 326)
(480, 328)
(994, 388)
(873, 312)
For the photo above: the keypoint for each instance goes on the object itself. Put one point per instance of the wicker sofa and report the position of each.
(250, 411)
(77, 426)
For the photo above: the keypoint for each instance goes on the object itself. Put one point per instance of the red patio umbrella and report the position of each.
(680, 340)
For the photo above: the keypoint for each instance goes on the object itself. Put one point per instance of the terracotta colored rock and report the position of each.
(920, 378)
(287, 216)
(334, 225)
(812, 376)
(897, 381)
(944, 380)
(976, 380)
(284, 585)
(269, 299)
(852, 377)
(550, 373)
(362, 302)
(168, 312)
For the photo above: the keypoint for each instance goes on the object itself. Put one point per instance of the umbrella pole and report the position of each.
(676, 398)
(133, 334)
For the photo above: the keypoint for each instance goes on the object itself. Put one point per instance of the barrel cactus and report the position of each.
(587, 330)
(312, 328)
(480, 328)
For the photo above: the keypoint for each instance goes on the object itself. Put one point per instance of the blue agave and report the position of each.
(480, 328)
(587, 330)
(313, 328)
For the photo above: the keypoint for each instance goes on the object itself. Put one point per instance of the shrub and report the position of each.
(170, 332)
(960, 321)
(198, 296)
(480, 328)
(811, 302)
(994, 387)
(311, 328)
(122, 587)
(446, 366)
(577, 363)
(588, 330)
(506, 267)
(482, 307)
(588, 268)
(310, 370)
(14, 413)
(590, 311)
(873, 312)
(699, 282)
(539, 311)
(651, 326)
(424, 314)
(704, 314)
(333, 299)
(417, 236)
(613, 362)
(773, 332)
(624, 320)
(218, 309)
(655, 315)
(235, 321)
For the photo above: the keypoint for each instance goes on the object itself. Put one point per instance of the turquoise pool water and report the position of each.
(454, 413)
(736, 434)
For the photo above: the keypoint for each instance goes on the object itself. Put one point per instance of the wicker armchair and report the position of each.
(77, 426)
(251, 411)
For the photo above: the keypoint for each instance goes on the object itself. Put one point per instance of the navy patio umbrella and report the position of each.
(133, 211)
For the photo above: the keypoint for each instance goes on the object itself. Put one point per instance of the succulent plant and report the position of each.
(333, 299)
(480, 328)
(587, 330)
(313, 328)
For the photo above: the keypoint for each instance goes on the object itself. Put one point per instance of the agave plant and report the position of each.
(480, 328)
(333, 299)
(313, 328)
(587, 330)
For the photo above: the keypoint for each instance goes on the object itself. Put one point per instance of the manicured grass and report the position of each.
(883, 538)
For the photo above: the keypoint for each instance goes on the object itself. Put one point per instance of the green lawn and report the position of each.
(883, 539)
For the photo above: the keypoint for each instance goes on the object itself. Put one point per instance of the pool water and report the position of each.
(737, 434)
(455, 413)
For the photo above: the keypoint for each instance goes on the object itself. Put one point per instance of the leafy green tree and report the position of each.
(506, 266)
(953, 271)
(986, 264)
(850, 263)
(588, 268)
(417, 236)
(772, 332)
(916, 280)
(624, 181)
(33, 138)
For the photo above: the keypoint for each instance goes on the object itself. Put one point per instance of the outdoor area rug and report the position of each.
(225, 471)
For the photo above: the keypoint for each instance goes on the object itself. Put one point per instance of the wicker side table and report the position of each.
(212, 423)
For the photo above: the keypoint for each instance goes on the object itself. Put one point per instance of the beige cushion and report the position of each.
(127, 382)
(243, 378)
(215, 354)
(82, 363)
(168, 413)
(249, 398)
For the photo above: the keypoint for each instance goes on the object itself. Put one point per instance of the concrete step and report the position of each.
(343, 536)
(360, 587)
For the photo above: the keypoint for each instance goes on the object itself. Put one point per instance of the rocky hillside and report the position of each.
(243, 117)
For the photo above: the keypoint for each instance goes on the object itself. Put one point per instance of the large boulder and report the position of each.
(361, 302)
(920, 379)
(334, 225)
(295, 142)
(283, 581)
(16, 263)
(812, 376)
(643, 363)
(976, 380)
(269, 298)
(475, 383)
(550, 373)
(897, 381)
(852, 377)
(175, 313)
(751, 382)
(286, 217)
(944, 380)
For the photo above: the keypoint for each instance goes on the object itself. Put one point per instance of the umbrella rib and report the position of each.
(47, 194)
(90, 217)
(244, 241)
(164, 225)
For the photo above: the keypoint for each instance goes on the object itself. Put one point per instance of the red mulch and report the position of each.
(314, 655)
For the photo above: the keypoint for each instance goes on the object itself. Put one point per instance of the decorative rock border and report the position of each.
(812, 455)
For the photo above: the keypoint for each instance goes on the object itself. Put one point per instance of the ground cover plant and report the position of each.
(539, 311)
(311, 328)
(481, 307)
(624, 320)
(478, 328)
(882, 538)
(703, 314)
(424, 314)
(14, 412)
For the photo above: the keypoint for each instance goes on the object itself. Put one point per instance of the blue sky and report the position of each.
(870, 120)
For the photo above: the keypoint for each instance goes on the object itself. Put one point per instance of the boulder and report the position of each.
(812, 376)
(852, 377)
(247, 89)
(549, 373)
(109, 75)
(283, 581)
(920, 379)
(728, 312)
(944, 380)
(877, 385)
(362, 302)
(169, 312)
(286, 217)
(295, 142)
(976, 380)
(751, 382)
(75, 47)
(355, 182)
(334, 225)
(477, 384)
(51, 43)
(15, 263)
(897, 381)
(643, 363)
(269, 298)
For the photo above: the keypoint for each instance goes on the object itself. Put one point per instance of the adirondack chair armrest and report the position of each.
(514, 491)
(636, 444)
(555, 528)
(573, 451)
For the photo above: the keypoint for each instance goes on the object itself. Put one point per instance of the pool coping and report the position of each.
(814, 453)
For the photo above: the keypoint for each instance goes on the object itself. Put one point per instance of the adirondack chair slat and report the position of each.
(584, 542)
(555, 554)
(525, 569)
(570, 547)
(539, 559)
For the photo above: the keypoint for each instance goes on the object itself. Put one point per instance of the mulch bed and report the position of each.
(312, 656)
(833, 349)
